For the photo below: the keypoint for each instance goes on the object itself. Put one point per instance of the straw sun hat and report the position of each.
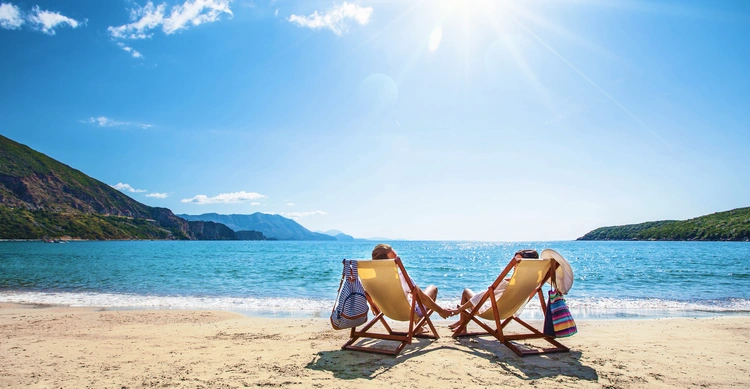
(564, 274)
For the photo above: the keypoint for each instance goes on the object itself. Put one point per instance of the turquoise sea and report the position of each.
(612, 279)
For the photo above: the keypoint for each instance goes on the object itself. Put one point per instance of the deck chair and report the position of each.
(380, 279)
(527, 281)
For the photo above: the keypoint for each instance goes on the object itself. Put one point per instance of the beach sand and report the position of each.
(61, 347)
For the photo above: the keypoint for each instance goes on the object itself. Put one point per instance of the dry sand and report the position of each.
(60, 347)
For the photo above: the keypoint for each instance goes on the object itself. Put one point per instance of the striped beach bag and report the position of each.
(350, 309)
(558, 321)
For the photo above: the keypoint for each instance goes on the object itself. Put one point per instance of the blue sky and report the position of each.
(476, 119)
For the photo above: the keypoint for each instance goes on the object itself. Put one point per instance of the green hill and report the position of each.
(41, 197)
(731, 225)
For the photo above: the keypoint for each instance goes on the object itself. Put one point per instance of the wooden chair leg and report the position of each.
(508, 339)
(403, 338)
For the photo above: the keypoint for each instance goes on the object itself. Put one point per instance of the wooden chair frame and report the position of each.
(497, 332)
(403, 338)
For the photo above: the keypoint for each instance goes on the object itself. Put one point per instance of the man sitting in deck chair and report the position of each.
(469, 299)
(392, 294)
(505, 297)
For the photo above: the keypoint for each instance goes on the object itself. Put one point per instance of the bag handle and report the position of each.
(343, 275)
(553, 275)
(352, 269)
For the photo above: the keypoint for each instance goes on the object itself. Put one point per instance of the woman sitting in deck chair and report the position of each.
(392, 294)
(428, 295)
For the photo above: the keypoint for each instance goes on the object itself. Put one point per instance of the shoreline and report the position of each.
(303, 307)
(88, 347)
(294, 315)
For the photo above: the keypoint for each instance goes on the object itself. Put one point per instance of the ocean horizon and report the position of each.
(294, 278)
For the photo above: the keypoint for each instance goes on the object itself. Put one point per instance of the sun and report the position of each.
(466, 13)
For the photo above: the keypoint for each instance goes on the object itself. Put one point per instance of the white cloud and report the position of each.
(47, 21)
(10, 16)
(132, 51)
(276, 13)
(149, 17)
(127, 188)
(290, 204)
(225, 198)
(144, 19)
(194, 13)
(103, 121)
(335, 19)
(255, 203)
(297, 215)
(157, 195)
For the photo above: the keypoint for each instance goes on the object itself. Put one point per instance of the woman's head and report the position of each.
(383, 251)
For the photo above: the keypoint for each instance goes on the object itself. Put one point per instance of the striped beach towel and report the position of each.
(558, 321)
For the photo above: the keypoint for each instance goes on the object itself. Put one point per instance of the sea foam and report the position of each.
(588, 308)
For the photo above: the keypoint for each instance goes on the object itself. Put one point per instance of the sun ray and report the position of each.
(467, 39)
(368, 41)
(422, 46)
(559, 31)
(523, 65)
(406, 69)
(530, 75)
(587, 79)
(681, 10)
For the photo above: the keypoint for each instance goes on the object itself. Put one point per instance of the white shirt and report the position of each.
(488, 304)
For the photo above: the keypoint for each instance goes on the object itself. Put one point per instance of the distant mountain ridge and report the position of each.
(41, 197)
(340, 236)
(272, 226)
(733, 225)
(331, 232)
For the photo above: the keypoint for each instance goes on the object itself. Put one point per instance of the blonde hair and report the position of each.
(381, 251)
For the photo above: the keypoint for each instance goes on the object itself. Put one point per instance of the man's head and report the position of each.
(526, 254)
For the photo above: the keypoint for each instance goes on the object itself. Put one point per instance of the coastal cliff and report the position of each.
(41, 197)
(250, 235)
